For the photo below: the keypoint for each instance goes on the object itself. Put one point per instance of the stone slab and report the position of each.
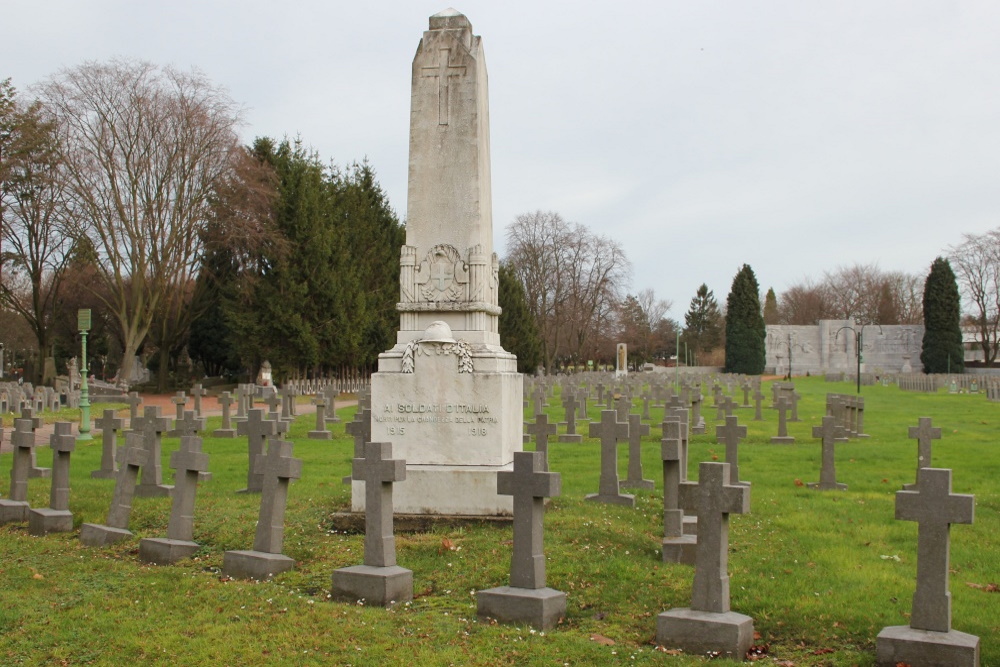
(571, 437)
(680, 549)
(13, 511)
(820, 486)
(153, 490)
(925, 648)
(381, 586)
(782, 440)
(636, 484)
(165, 551)
(45, 520)
(320, 435)
(445, 490)
(104, 474)
(224, 433)
(255, 564)
(541, 608)
(625, 499)
(98, 535)
(699, 632)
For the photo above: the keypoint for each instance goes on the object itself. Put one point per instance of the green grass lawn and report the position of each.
(820, 572)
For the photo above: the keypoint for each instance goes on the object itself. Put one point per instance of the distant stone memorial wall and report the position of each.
(828, 347)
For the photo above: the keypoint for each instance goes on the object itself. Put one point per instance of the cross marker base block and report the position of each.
(45, 520)
(541, 608)
(621, 499)
(165, 551)
(258, 565)
(379, 586)
(153, 490)
(680, 549)
(903, 644)
(13, 511)
(782, 440)
(224, 433)
(636, 484)
(689, 525)
(34, 473)
(820, 486)
(104, 474)
(571, 437)
(97, 535)
(700, 632)
(320, 435)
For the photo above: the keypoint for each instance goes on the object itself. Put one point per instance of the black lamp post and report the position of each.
(858, 340)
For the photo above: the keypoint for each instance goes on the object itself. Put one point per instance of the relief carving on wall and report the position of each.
(443, 275)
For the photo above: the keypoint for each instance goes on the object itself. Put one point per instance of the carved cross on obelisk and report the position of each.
(443, 72)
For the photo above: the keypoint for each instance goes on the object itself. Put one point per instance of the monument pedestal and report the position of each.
(541, 608)
(98, 535)
(258, 565)
(13, 511)
(901, 644)
(680, 549)
(700, 632)
(381, 586)
(165, 551)
(47, 520)
(460, 491)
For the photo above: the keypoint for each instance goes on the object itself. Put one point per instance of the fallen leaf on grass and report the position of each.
(823, 651)
(799, 482)
(757, 652)
(447, 545)
(784, 663)
(602, 640)
(37, 576)
(989, 588)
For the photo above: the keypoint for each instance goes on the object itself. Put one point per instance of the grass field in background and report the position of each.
(821, 573)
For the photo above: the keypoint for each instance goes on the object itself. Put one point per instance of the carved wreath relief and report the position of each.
(459, 348)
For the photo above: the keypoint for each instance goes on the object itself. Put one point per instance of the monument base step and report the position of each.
(445, 490)
(699, 632)
(680, 549)
(901, 644)
(381, 586)
(258, 565)
(13, 511)
(165, 551)
(45, 520)
(541, 608)
(98, 535)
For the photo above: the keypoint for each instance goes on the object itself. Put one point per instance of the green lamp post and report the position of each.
(83, 324)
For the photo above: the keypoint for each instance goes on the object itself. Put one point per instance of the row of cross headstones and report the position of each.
(15, 397)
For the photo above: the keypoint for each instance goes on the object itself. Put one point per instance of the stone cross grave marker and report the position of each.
(622, 406)
(15, 509)
(320, 432)
(278, 469)
(758, 398)
(527, 599)
(180, 401)
(198, 392)
(730, 435)
(110, 426)
(134, 400)
(56, 518)
(746, 387)
(189, 424)
(380, 580)
(677, 547)
(709, 624)
(331, 394)
(152, 427)
(361, 430)
(923, 433)
(793, 397)
(226, 429)
(272, 401)
(570, 404)
(131, 459)
(859, 424)
(27, 412)
(646, 398)
(541, 429)
(831, 432)
(188, 462)
(782, 438)
(697, 423)
(634, 479)
(611, 432)
(929, 639)
(287, 395)
(257, 430)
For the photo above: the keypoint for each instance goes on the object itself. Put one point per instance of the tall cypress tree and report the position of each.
(771, 313)
(518, 329)
(745, 331)
(942, 349)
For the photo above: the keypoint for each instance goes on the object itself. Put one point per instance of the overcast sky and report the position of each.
(795, 136)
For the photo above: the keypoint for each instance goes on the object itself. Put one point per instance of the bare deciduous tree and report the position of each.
(977, 266)
(861, 292)
(144, 147)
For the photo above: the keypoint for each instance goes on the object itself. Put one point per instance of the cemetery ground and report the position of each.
(820, 572)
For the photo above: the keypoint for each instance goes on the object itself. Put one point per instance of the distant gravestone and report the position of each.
(134, 400)
(929, 638)
(758, 398)
(131, 459)
(923, 433)
(28, 412)
(226, 429)
(198, 392)
(634, 479)
(380, 581)
(320, 432)
(110, 426)
(257, 430)
(709, 626)
(361, 430)
(571, 405)
(541, 429)
(782, 438)
(677, 546)
(527, 599)
(152, 427)
(188, 462)
(331, 394)
(831, 433)
(266, 560)
(730, 435)
(56, 518)
(611, 432)
(15, 508)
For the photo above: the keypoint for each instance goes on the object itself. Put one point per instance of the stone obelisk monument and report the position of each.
(447, 395)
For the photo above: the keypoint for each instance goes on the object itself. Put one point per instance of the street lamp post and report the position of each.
(789, 378)
(858, 342)
(83, 324)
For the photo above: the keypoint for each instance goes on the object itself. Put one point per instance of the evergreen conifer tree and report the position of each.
(942, 350)
(745, 331)
(771, 314)
(702, 322)
(518, 329)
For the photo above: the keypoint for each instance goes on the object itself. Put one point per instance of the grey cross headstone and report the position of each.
(258, 430)
(180, 401)
(570, 404)
(320, 432)
(197, 391)
(27, 412)
(713, 500)
(611, 432)
(361, 430)
(634, 479)
(530, 484)
(278, 468)
(758, 398)
(923, 433)
(152, 427)
(730, 435)
(63, 442)
(331, 394)
(226, 430)
(378, 470)
(134, 400)
(541, 429)
(831, 432)
(782, 438)
(23, 441)
(189, 424)
(188, 463)
(130, 460)
(110, 426)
